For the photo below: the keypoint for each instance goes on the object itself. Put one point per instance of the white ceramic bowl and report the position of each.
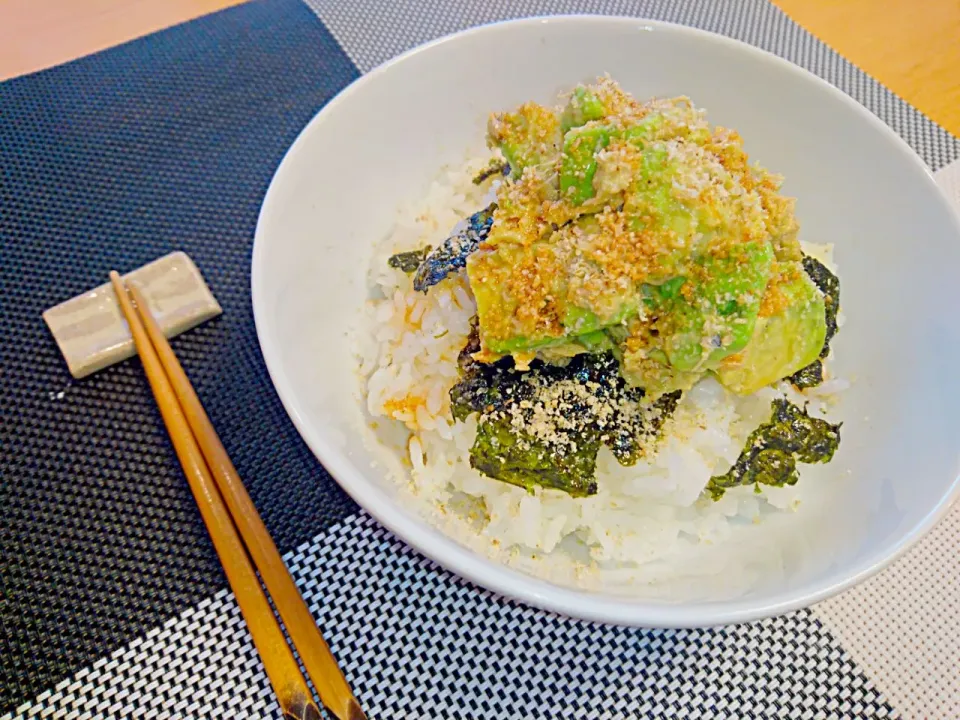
(381, 141)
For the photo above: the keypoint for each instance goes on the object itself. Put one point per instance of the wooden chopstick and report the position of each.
(292, 691)
(317, 658)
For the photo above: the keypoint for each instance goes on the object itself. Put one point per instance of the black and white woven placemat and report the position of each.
(112, 604)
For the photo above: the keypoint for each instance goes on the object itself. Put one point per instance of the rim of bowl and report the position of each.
(489, 573)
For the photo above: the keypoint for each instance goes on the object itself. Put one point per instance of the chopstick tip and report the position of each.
(354, 712)
(301, 708)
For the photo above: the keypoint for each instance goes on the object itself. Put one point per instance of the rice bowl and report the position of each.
(895, 473)
(648, 525)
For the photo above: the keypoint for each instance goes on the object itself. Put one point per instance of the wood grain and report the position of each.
(37, 34)
(911, 46)
(292, 691)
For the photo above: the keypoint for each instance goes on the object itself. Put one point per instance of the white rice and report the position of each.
(647, 523)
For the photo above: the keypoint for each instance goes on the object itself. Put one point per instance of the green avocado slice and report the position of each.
(717, 316)
(528, 136)
(582, 107)
(782, 343)
(578, 158)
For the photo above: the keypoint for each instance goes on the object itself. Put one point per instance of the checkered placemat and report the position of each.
(112, 604)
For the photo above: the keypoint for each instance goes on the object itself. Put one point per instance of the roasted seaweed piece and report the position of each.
(484, 387)
(408, 261)
(829, 285)
(808, 377)
(496, 167)
(504, 454)
(628, 441)
(773, 450)
(452, 253)
(544, 426)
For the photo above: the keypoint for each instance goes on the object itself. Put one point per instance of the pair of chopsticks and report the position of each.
(238, 533)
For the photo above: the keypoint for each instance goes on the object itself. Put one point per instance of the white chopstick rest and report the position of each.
(90, 329)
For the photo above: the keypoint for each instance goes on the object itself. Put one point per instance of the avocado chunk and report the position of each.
(651, 207)
(650, 370)
(532, 295)
(643, 363)
(581, 145)
(788, 339)
(505, 317)
(582, 107)
(578, 161)
(717, 316)
(528, 136)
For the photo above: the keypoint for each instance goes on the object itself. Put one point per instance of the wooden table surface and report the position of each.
(912, 46)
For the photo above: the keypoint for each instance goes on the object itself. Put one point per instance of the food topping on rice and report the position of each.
(626, 329)
(544, 426)
(635, 241)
